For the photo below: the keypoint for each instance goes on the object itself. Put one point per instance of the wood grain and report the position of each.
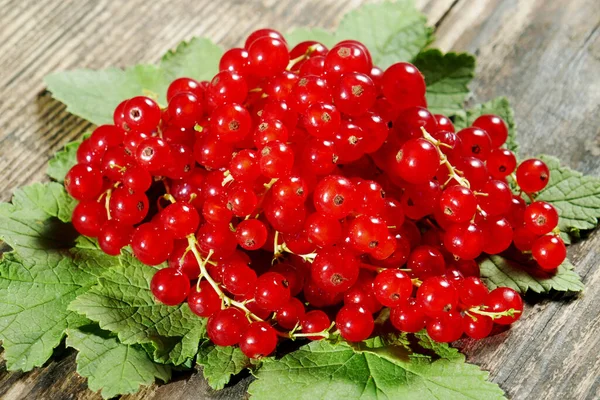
(543, 55)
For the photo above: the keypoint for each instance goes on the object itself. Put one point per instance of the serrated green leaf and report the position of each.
(325, 371)
(499, 106)
(441, 349)
(498, 271)
(447, 77)
(197, 59)
(298, 35)
(392, 32)
(64, 160)
(42, 275)
(575, 196)
(220, 363)
(94, 95)
(121, 302)
(111, 367)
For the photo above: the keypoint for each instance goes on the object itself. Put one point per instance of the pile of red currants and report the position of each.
(307, 185)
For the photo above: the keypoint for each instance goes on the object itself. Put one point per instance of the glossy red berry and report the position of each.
(170, 286)
(272, 290)
(549, 252)
(268, 56)
(532, 175)
(495, 127)
(354, 323)
(392, 287)
(180, 219)
(114, 236)
(464, 240)
(477, 326)
(408, 317)
(503, 299)
(417, 161)
(84, 182)
(540, 217)
(88, 218)
(226, 327)
(437, 295)
(141, 113)
(151, 244)
(290, 314)
(335, 196)
(204, 301)
(313, 322)
(458, 204)
(259, 340)
(403, 85)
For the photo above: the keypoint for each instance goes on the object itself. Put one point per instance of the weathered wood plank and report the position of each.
(544, 55)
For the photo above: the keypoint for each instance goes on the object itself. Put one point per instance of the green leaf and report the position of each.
(112, 367)
(393, 32)
(42, 275)
(575, 196)
(122, 303)
(64, 160)
(325, 371)
(220, 363)
(441, 349)
(94, 95)
(500, 107)
(498, 271)
(197, 59)
(302, 34)
(447, 77)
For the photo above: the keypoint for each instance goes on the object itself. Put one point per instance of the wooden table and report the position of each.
(543, 54)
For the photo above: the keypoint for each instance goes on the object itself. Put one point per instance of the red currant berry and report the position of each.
(532, 175)
(290, 314)
(128, 207)
(408, 317)
(151, 244)
(88, 218)
(272, 290)
(392, 287)
(549, 252)
(170, 286)
(322, 120)
(403, 85)
(84, 182)
(464, 240)
(498, 234)
(437, 295)
(141, 113)
(276, 160)
(335, 196)
(446, 328)
(354, 323)
(225, 327)
(417, 161)
(458, 204)
(204, 301)
(180, 219)
(259, 340)
(475, 143)
(495, 127)
(268, 56)
(477, 327)
(314, 322)
(185, 85)
(251, 234)
(503, 299)
(114, 236)
(501, 163)
(540, 217)
(426, 261)
(355, 94)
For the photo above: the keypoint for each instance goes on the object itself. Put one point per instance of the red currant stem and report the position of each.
(169, 197)
(159, 130)
(255, 90)
(309, 257)
(192, 197)
(167, 188)
(392, 227)
(226, 301)
(304, 56)
(324, 333)
(371, 268)
(198, 128)
(481, 194)
(119, 167)
(276, 248)
(530, 196)
(107, 203)
(493, 315)
(228, 178)
(452, 172)
(416, 282)
(262, 198)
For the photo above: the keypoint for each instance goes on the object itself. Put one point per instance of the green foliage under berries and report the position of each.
(500, 271)
(111, 367)
(219, 364)
(369, 370)
(122, 303)
(43, 273)
(575, 196)
(53, 283)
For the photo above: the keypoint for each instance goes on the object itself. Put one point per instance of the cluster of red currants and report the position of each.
(312, 178)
